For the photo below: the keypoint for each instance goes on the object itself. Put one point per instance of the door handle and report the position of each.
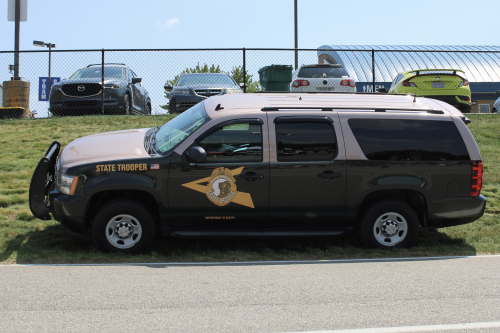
(329, 175)
(251, 176)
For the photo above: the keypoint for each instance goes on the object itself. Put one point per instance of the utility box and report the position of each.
(484, 108)
(276, 77)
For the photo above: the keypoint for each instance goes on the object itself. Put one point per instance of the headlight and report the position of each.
(66, 184)
(180, 92)
(112, 86)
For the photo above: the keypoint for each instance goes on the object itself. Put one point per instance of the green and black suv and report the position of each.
(270, 164)
(84, 92)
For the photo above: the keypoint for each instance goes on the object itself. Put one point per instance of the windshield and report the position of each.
(179, 128)
(322, 72)
(186, 80)
(95, 73)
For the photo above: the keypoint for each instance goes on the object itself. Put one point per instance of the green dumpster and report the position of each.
(276, 77)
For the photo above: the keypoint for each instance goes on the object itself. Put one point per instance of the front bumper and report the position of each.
(181, 103)
(68, 210)
(64, 105)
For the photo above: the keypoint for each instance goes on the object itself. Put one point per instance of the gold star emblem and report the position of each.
(221, 188)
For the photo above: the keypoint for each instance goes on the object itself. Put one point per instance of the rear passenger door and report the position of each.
(307, 170)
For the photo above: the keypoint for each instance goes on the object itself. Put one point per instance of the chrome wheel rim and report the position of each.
(390, 229)
(123, 231)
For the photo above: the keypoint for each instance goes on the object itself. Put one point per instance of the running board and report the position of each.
(200, 234)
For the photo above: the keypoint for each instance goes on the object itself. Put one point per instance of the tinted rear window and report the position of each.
(319, 72)
(305, 142)
(409, 140)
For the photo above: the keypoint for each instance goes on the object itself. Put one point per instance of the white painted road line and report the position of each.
(425, 328)
(277, 262)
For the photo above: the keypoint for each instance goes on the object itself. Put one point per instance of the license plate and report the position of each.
(437, 84)
(325, 88)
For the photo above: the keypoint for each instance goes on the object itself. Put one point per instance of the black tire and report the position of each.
(127, 216)
(172, 109)
(388, 224)
(148, 109)
(126, 105)
(494, 110)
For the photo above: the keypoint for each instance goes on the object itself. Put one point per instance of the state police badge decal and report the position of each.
(221, 188)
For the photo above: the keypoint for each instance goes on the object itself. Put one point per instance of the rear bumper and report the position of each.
(457, 101)
(447, 212)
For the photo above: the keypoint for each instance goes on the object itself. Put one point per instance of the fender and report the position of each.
(129, 181)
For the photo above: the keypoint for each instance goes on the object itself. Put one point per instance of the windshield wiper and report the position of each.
(151, 141)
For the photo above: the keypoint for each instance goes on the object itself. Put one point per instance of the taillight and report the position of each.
(348, 82)
(407, 83)
(463, 83)
(300, 83)
(476, 182)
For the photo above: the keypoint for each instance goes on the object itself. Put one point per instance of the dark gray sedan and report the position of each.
(190, 89)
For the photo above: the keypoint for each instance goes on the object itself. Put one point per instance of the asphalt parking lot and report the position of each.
(289, 297)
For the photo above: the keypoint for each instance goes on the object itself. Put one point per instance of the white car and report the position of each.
(496, 105)
(322, 78)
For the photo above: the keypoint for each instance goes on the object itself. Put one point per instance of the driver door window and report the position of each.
(241, 142)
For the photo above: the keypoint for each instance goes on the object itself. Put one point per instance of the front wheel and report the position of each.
(389, 224)
(123, 226)
(127, 105)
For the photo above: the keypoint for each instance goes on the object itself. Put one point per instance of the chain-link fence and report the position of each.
(83, 82)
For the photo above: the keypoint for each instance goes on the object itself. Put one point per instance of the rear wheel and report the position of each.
(123, 226)
(389, 224)
(148, 109)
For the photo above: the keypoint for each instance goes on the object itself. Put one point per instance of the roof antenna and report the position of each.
(218, 107)
(414, 99)
(300, 98)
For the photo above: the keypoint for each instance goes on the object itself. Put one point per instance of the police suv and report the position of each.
(270, 164)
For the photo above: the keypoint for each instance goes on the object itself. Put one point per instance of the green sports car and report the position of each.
(447, 85)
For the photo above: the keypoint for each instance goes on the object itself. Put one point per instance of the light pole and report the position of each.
(296, 37)
(50, 46)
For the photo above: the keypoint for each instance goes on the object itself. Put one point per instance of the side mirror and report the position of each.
(382, 90)
(497, 93)
(136, 80)
(242, 85)
(168, 87)
(196, 155)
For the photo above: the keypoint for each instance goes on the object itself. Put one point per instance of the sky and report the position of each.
(96, 24)
(193, 24)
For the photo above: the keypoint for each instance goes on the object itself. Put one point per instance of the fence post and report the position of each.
(102, 80)
(244, 71)
(373, 70)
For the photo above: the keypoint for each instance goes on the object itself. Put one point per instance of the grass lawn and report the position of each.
(25, 239)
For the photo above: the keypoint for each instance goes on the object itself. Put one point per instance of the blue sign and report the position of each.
(43, 87)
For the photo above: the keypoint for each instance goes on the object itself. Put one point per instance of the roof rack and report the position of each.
(108, 63)
(328, 108)
(332, 92)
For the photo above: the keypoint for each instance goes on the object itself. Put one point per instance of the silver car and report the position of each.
(322, 78)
